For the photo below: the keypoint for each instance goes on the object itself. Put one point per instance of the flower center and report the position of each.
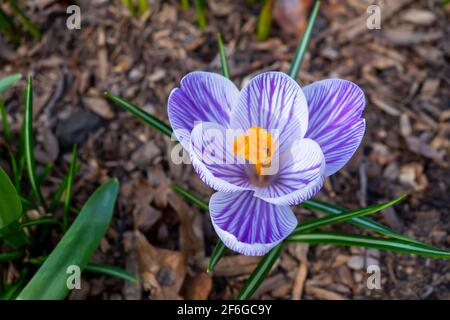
(256, 146)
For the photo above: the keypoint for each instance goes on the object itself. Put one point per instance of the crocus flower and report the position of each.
(307, 134)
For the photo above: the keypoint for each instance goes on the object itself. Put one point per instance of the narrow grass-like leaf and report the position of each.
(363, 222)
(9, 81)
(184, 4)
(39, 221)
(200, 8)
(223, 57)
(111, 271)
(302, 46)
(190, 197)
(27, 23)
(143, 6)
(76, 247)
(69, 185)
(216, 255)
(7, 256)
(42, 176)
(260, 273)
(5, 124)
(10, 204)
(60, 190)
(152, 121)
(345, 239)
(264, 20)
(344, 216)
(29, 149)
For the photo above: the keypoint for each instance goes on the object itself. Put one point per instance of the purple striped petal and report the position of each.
(202, 96)
(300, 175)
(275, 102)
(335, 109)
(213, 160)
(249, 225)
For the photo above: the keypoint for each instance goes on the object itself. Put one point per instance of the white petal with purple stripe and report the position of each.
(335, 109)
(249, 225)
(213, 160)
(202, 96)
(275, 102)
(300, 174)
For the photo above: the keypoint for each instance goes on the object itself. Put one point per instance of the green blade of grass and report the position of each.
(190, 197)
(223, 57)
(39, 221)
(344, 216)
(69, 185)
(10, 204)
(143, 6)
(111, 271)
(5, 124)
(363, 222)
(260, 273)
(264, 20)
(7, 256)
(28, 136)
(345, 239)
(201, 13)
(152, 121)
(9, 81)
(76, 247)
(60, 190)
(27, 23)
(184, 4)
(302, 46)
(41, 177)
(216, 255)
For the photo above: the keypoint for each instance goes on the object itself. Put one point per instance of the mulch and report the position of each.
(403, 69)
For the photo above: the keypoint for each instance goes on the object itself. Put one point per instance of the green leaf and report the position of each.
(143, 6)
(264, 20)
(152, 121)
(10, 205)
(68, 192)
(9, 81)
(364, 223)
(5, 124)
(223, 57)
(302, 46)
(344, 216)
(111, 271)
(216, 255)
(30, 26)
(201, 13)
(184, 4)
(7, 256)
(190, 197)
(345, 239)
(260, 273)
(35, 222)
(76, 247)
(28, 137)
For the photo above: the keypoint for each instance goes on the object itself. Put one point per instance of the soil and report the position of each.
(403, 69)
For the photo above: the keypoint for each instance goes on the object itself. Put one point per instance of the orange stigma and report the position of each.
(256, 146)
